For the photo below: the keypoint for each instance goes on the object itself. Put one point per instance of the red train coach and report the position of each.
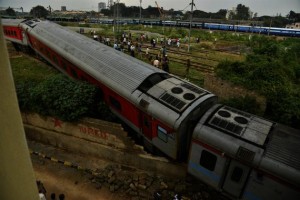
(13, 31)
(160, 107)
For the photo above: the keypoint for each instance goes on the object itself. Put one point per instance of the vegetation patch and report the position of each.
(273, 71)
(44, 90)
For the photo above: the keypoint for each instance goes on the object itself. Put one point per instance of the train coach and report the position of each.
(14, 32)
(245, 156)
(239, 154)
(155, 104)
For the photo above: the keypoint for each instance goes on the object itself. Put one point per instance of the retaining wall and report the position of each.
(97, 138)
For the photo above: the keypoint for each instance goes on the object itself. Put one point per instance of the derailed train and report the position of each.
(237, 153)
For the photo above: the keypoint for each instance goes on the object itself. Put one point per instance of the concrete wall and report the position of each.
(96, 138)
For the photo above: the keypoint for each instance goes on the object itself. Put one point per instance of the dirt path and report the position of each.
(75, 185)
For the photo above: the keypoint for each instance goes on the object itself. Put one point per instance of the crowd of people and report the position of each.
(43, 191)
(160, 60)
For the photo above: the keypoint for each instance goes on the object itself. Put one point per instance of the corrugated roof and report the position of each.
(111, 65)
(284, 146)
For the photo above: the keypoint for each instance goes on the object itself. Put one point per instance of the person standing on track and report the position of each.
(132, 48)
(156, 63)
(147, 52)
(165, 63)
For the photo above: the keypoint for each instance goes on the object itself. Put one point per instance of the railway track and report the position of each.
(200, 62)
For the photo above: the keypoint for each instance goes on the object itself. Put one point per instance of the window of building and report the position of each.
(162, 134)
(208, 160)
(115, 103)
(237, 174)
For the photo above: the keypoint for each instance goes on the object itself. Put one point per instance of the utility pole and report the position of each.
(114, 27)
(270, 26)
(118, 16)
(140, 11)
(191, 18)
(162, 16)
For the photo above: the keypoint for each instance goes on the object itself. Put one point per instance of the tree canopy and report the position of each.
(39, 12)
(273, 70)
(10, 12)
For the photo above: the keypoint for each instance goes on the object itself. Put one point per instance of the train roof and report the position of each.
(120, 71)
(242, 125)
(283, 146)
(271, 147)
(11, 22)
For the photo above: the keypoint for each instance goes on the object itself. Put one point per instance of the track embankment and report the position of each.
(100, 139)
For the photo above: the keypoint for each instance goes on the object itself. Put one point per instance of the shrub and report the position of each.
(62, 97)
(247, 104)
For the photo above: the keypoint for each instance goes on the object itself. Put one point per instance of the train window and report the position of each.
(259, 176)
(47, 53)
(115, 103)
(208, 160)
(64, 66)
(237, 174)
(162, 134)
(42, 49)
(83, 78)
(54, 58)
(74, 73)
(146, 123)
(152, 80)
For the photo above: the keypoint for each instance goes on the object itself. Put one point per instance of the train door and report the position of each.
(236, 178)
(147, 126)
(207, 164)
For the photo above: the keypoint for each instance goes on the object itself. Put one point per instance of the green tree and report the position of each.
(106, 12)
(10, 12)
(292, 15)
(221, 14)
(273, 70)
(39, 12)
(242, 12)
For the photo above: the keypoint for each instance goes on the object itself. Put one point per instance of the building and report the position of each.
(110, 3)
(293, 25)
(101, 5)
(63, 8)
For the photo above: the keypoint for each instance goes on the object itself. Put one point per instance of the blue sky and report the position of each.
(268, 7)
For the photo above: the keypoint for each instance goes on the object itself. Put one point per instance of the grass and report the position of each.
(28, 68)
